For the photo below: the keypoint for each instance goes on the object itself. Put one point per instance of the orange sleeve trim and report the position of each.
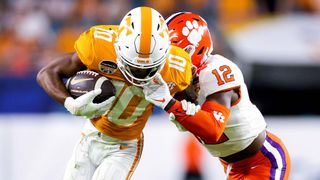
(207, 124)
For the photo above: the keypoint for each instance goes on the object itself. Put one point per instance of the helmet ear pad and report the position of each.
(190, 32)
(142, 45)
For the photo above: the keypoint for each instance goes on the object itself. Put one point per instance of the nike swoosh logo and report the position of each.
(159, 100)
(76, 81)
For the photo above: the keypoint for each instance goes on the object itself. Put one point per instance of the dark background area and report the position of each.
(286, 90)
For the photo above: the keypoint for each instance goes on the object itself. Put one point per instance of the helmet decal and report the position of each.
(190, 32)
(146, 32)
(143, 43)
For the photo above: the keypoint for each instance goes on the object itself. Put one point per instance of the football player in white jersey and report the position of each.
(227, 124)
(130, 55)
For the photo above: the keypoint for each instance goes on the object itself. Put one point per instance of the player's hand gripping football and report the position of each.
(84, 106)
(157, 92)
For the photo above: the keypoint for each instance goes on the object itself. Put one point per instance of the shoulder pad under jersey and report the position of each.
(96, 44)
(177, 70)
(219, 74)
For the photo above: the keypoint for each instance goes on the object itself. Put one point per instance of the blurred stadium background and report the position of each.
(276, 43)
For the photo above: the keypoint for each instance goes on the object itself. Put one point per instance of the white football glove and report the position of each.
(83, 105)
(157, 92)
(190, 108)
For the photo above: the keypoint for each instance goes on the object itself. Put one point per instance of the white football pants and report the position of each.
(99, 157)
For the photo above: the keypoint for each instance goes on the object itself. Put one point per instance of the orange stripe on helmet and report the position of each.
(146, 30)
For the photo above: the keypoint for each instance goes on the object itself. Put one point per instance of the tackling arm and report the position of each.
(50, 76)
(188, 94)
(209, 122)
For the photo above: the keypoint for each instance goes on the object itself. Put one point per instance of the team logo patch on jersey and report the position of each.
(219, 116)
(108, 67)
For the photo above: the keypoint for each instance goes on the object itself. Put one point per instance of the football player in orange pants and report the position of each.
(227, 123)
(130, 55)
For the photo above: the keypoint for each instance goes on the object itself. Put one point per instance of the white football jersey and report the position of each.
(245, 120)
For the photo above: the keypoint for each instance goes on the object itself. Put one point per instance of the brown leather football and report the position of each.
(85, 81)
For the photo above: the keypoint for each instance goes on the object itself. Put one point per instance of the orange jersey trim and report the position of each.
(208, 124)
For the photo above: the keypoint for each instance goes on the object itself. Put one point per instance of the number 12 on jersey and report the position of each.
(226, 76)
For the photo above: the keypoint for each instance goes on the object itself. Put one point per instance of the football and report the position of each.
(85, 81)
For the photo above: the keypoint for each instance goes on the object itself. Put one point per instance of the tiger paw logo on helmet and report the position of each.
(190, 32)
(193, 32)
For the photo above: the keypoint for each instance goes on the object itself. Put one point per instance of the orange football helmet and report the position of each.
(190, 32)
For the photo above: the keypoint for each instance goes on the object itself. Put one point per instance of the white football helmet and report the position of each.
(143, 45)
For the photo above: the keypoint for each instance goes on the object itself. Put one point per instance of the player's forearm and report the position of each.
(52, 83)
(50, 76)
(208, 123)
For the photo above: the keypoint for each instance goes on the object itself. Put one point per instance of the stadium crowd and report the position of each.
(33, 31)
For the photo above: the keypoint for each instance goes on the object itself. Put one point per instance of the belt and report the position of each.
(249, 151)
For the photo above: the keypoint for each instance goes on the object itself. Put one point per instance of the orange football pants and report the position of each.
(272, 162)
